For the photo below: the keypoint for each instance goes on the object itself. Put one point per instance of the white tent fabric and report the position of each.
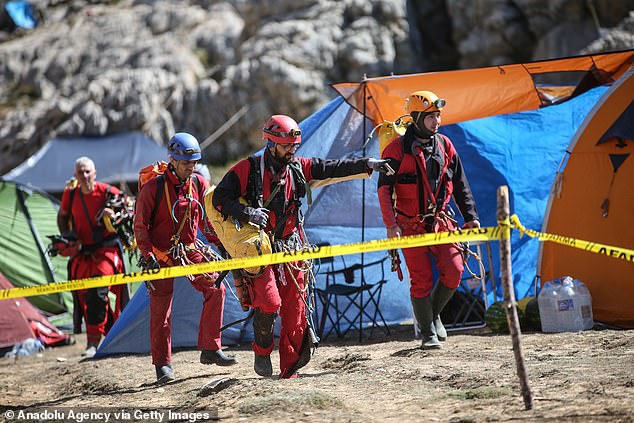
(118, 158)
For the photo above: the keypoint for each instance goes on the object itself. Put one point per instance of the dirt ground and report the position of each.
(587, 377)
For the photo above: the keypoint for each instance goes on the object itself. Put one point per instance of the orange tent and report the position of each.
(593, 200)
(488, 91)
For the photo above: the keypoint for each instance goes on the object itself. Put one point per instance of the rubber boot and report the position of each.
(164, 374)
(263, 337)
(263, 366)
(423, 312)
(216, 357)
(440, 296)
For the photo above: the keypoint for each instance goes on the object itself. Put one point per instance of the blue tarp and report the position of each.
(21, 13)
(521, 150)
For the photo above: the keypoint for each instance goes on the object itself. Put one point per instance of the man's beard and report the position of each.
(285, 158)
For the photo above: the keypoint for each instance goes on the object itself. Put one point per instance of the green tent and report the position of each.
(27, 216)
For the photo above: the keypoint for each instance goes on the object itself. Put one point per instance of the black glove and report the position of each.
(149, 263)
(380, 166)
(259, 216)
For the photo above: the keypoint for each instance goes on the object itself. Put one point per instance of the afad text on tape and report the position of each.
(593, 247)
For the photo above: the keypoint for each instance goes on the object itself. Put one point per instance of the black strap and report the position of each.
(97, 233)
(255, 184)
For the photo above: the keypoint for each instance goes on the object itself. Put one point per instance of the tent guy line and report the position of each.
(479, 234)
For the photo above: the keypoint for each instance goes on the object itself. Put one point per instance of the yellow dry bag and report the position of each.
(248, 241)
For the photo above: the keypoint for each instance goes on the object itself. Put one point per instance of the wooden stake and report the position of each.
(509, 295)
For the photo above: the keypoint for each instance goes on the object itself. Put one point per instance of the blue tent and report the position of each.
(131, 332)
(118, 158)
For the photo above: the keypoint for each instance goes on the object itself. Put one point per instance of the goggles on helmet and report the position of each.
(439, 103)
(292, 133)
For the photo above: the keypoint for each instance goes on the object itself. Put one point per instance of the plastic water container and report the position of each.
(585, 304)
(547, 302)
(569, 306)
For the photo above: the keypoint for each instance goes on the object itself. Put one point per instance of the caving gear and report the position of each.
(217, 357)
(259, 217)
(240, 240)
(65, 246)
(122, 222)
(157, 170)
(424, 102)
(423, 312)
(420, 104)
(396, 263)
(263, 337)
(387, 131)
(183, 146)
(149, 263)
(380, 166)
(440, 296)
(282, 129)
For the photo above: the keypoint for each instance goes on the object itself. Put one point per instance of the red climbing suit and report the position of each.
(279, 287)
(427, 175)
(100, 255)
(156, 236)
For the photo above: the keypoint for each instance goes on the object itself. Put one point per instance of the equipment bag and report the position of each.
(239, 240)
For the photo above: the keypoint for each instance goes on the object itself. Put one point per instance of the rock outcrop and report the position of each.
(160, 66)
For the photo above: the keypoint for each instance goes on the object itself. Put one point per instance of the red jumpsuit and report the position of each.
(423, 185)
(275, 289)
(155, 236)
(100, 255)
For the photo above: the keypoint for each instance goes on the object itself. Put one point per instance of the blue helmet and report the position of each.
(183, 146)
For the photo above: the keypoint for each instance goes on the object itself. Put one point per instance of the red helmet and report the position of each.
(282, 130)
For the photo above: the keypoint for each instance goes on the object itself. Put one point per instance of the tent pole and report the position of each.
(36, 235)
(363, 135)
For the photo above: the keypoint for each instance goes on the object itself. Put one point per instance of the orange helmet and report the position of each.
(424, 102)
(282, 129)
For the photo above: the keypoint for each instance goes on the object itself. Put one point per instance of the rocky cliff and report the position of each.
(162, 66)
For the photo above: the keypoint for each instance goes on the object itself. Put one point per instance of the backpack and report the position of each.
(157, 170)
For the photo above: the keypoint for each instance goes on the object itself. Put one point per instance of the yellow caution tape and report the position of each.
(594, 247)
(467, 235)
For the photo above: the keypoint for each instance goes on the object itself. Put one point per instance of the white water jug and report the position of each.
(585, 304)
(569, 306)
(547, 302)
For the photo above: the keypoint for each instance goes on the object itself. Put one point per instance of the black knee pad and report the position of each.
(96, 301)
(263, 328)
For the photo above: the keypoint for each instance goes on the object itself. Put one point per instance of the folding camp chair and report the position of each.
(348, 300)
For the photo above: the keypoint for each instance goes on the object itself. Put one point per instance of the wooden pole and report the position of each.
(509, 294)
